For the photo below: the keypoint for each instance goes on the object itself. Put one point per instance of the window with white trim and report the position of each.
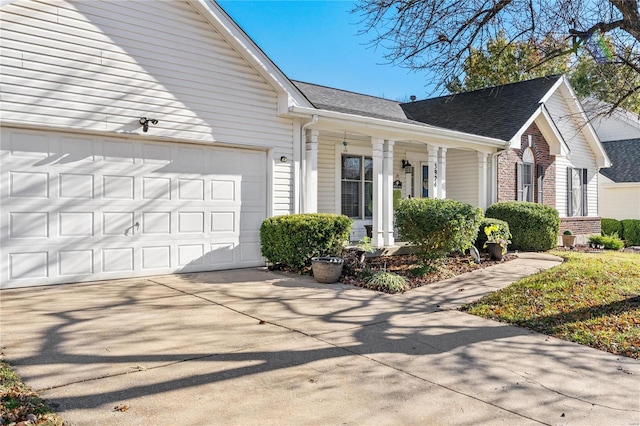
(577, 181)
(524, 176)
(357, 186)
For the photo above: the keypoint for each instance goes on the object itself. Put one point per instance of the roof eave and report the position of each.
(424, 133)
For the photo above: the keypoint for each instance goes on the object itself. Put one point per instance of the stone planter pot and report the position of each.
(494, 250)
(569, 240)
(327, 269)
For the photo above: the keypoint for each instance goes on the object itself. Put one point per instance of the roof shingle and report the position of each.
(625, 159)
(497, 112)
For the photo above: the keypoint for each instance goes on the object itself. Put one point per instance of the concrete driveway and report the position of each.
(251, 347)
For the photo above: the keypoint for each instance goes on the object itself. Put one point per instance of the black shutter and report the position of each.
(585, 210)
(539, 178)
(519, 188)
(569, 197)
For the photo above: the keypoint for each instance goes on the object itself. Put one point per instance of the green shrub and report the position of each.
(611, 226)
(534, 227)
(292, 240)
(436, 226)
(631, 232)
(610, 242)
(388, 282)
(503, 228)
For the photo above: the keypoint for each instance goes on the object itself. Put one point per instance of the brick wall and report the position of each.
(581, 226)
(507, 185)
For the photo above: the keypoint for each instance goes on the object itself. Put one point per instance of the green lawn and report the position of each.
(18, 403)
(591, 298)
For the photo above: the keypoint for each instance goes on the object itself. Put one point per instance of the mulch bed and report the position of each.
(403, 264)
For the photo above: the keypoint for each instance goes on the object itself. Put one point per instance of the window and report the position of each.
(524, 177)
(357, 186)
(577, 192)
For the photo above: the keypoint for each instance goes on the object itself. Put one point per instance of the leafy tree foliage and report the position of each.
(502, 62)
(441, 36)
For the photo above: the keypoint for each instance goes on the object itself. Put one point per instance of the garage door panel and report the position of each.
(23, 184)
(28, 225)
(74, 224)
(75, 262)
(75, 186)
(81, 208)
(156, 188)
(118, 187)
(156, 257)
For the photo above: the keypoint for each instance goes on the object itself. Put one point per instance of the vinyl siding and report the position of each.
(327, 174)
(462, 176)
(581, 155)
(100, 66)
(610, 128)
(619, 200)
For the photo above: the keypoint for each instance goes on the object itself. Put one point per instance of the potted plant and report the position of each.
(497, 241)
(568, 239)
(327, 269)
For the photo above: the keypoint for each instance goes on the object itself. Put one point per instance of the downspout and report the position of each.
(302, 160)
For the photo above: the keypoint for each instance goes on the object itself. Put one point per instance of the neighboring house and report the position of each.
(92, 190)
(619, 185)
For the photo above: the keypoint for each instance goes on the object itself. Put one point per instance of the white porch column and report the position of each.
(442, 173)
(483, 189)
(432, 158)
(377, 239)
(387, 194)
(311, 172)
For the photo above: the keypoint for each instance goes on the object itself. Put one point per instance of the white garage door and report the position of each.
(80, 208)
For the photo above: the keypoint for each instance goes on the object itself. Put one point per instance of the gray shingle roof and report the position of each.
(625, 159)
(497, 112)
(330, 99)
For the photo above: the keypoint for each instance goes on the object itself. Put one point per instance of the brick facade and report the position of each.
(580, 225)
(507, 185)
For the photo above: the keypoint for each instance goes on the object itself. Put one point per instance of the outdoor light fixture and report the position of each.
(144, 122)
(344, 142)
(406, 165)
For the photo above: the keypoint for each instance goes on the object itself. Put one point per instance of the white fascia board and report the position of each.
(394, 130)
(555, 132)
(288, 93)
(514, 142)
(602, 159)
(562, 80)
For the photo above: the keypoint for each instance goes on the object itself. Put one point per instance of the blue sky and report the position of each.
(318, 42)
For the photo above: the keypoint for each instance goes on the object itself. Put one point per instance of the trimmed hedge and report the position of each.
(611, 226)
(292, 240)
(437, 226)
(534, 227)
(488, 221)
(631, 232)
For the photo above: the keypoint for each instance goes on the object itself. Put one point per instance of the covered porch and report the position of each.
(360, 174)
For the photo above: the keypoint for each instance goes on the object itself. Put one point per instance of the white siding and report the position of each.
(100, 66)
(581, 155)
(611, 128)
(327, 175)
(462, 176)
(619, 200)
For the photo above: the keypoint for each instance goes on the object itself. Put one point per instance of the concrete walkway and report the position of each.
(251, 347)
